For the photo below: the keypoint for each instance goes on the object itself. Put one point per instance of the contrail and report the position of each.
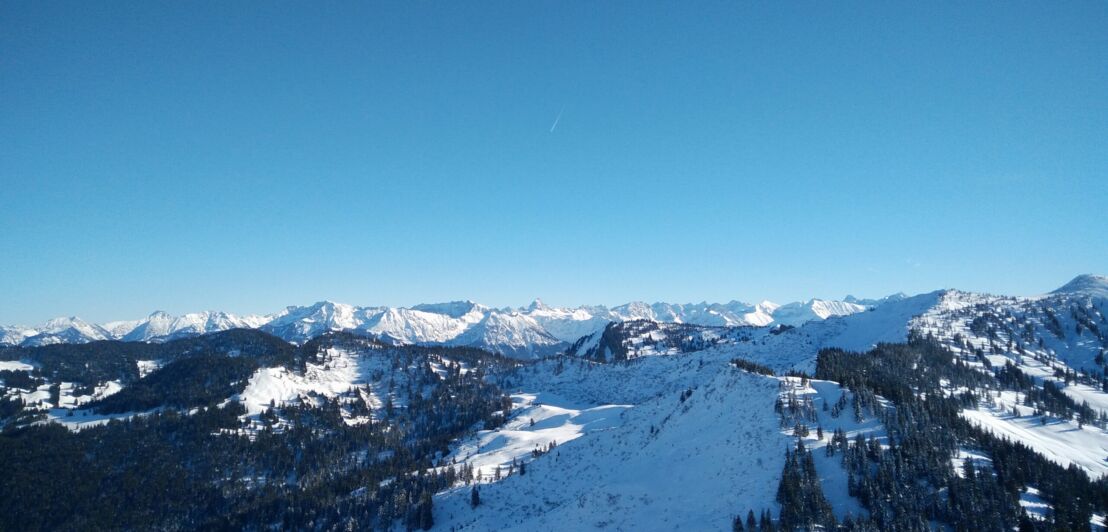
(557, 119)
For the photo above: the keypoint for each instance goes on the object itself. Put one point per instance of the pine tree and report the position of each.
(426, 519)
(474, 497)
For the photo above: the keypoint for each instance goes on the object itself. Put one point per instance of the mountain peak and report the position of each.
(1086, 284)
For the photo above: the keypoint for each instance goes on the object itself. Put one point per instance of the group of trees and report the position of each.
(197, 464)
(907, 482)
(803, 505)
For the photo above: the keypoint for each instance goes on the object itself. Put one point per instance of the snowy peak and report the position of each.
(15, 334)
(161, 325)
(537, 304)
(534, 330)
(411, 326)
(1086, 285)
(300, 324)
(512, 334)
(71, 330)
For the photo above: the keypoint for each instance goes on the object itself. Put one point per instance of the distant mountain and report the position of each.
(71, 330)
(512, 334)
(814, 309)
(533, 331)
(15, 334)
(162, 326)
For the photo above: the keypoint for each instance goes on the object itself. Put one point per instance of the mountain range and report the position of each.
(528, 332)
(947, 409)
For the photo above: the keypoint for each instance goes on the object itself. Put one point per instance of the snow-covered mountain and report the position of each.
(814, 309)
(656, 422)
(299, 324)
(162, 326)
(71, 330)
(732, 314)
(512, 334)
(532, 331)
(423, 324)
(15, 334)
(1085, 285)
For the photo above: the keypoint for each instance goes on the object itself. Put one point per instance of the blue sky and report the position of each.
(243, 157)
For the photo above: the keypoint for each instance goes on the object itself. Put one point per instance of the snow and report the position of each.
(1087, 285)
(146, 367)
(1011, 319)
(814, 310)
(568, 325)
(632, 455)
(797, 348)
(15, 334)
(1060, 441)
(66, 330)
(342, 373)
(15, 365)
(442, 365)
(1032, 501)
(346, 374)
(535, 331)
(512, 334)
(416, 326)
(555, 420)
(705, 461)
(161, 326)
(834, 478)
(81, 419)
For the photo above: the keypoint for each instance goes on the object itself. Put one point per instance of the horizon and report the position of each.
(724, 301)
(242, 157)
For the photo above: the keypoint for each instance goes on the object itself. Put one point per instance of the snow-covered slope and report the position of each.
(782, 348)
(1086, 285)
(512, 334)
(1045, 338)
(411, 326)
(814, 310)
(568, 324)
(15, 334)
(658, 443)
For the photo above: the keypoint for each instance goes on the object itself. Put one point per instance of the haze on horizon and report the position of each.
(251, 156)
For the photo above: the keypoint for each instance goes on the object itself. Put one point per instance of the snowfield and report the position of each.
(538, 421)
(719, 449)
(15, 365)
(343, 372)
(1061, 441)
(632, 455)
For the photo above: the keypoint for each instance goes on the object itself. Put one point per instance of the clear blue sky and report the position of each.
(244, 156)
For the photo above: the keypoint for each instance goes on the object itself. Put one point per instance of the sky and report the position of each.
(245, 156)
